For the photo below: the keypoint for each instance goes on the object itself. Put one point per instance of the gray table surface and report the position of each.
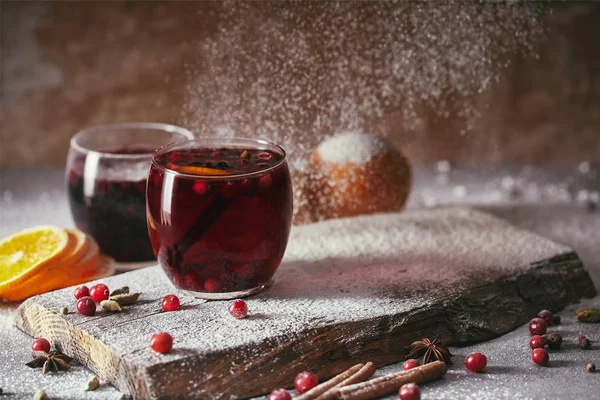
(559, 202)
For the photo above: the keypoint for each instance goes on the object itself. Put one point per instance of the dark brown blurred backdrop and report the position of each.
(69, 65)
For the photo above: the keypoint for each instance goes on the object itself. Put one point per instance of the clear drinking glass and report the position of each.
(219, 214)
(107, 170)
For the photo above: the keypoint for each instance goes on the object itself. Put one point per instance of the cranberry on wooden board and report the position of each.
(538, 326)
(537, 342)
(410, 391)
(408, 364)
(305, 381)
(81, 291)
(86, 306)
(540, 356)
(238, 309)
(476, 362)
(99, 292)
(161, 342)
(170, 303)
(41, 344)
(280, 394)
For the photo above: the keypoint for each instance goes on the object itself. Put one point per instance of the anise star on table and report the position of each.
(431, 350)
(54, 360)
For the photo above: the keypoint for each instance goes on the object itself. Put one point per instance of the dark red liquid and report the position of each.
(225, 233)
(112, 211)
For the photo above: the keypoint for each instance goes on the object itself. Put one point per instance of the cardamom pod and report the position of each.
(40, 395)
(588, 315)
(125, 299)
(92, 384)
(121, 290)
(64, 310)
(110, 305)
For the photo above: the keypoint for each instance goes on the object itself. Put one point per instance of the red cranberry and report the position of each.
(540, 356)
(200, 187)
(265, 156)
(264, 183)
(410, 391)
(305, 381)
(537, 342)
(212, 285)
(86, 306)
(161, 342)
(580, 337)
(538, 326)
(216, 154)
(280, 394)
(408, 364)
(238, 309)
(99, 292)
(170, 303)
(547, 315)
(81, 291)
(41, 344)
(476, 362)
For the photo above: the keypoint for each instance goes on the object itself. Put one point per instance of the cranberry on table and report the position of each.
(99, 292)
(170, 303)
(547, 315)
(540, 356)
(476, 362)
(305, 381)
(280, 394)
(86, 306)
(41, 344)
(408, 364)
(410, 391)
(538, 326)
(238, 309)
(537, 342)
(161, 342)
(81, 291)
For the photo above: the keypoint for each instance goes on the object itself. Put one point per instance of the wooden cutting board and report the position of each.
(349, 290)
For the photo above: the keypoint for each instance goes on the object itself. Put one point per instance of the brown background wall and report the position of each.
(66, 66)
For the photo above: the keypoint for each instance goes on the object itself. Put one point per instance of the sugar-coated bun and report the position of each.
(356, 173)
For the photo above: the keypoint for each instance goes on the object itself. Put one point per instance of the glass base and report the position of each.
(229, 295)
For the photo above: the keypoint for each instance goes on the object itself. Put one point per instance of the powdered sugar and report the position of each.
(351, 147)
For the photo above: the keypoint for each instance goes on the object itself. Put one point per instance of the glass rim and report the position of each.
(157, 126)
(225, 141)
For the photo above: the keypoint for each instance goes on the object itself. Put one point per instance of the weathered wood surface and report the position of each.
(349, 290)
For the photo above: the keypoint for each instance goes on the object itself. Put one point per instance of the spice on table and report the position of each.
(584, 343)
(110, 305)
(121, 290)
(125, 299)
(362, 374)
(553, 340)
(588, 315)
(54, 360)
(92, 384)
(64, 310)
(40, 395)
(392, 383)
(591, 367)
(430, 350)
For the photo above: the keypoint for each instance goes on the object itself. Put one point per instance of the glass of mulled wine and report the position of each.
(219, 214)
(107, 170)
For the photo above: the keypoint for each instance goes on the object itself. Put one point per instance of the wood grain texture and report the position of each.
(349, 290)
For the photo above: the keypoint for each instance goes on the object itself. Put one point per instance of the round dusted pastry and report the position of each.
(357, 173)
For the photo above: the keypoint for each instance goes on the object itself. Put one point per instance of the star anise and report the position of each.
(431, 350)
(54, 360)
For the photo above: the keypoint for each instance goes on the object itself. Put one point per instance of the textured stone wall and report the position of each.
(66, 66)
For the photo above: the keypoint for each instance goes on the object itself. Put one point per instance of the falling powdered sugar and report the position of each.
(353, 147)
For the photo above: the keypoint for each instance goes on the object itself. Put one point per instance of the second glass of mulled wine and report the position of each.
(219, 214)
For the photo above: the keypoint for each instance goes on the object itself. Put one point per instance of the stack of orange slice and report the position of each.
(45, 258)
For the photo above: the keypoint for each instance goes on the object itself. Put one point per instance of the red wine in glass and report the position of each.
(219, 215)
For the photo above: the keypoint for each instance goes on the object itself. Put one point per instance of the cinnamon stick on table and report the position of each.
(333, 382)
(391, 383)
(367, 371)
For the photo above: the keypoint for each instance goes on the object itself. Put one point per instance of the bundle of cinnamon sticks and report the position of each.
(352, 384)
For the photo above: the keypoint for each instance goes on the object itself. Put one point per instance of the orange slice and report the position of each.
(24, 252)
(188, 169)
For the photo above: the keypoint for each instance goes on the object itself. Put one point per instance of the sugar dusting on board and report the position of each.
(354, 147)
